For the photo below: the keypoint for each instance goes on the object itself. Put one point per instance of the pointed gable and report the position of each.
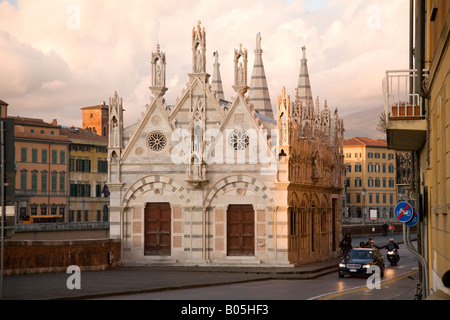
(242, 137)
(150, 136)
(197, 91)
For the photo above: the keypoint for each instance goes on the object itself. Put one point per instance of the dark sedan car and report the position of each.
(359, 261)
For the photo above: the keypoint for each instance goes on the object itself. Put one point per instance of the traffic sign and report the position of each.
(404, 212)
(414, 220)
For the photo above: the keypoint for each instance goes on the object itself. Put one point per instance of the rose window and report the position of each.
(157, 141)
(239, 140)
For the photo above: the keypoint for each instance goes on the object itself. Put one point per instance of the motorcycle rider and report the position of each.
(393, 246)
(346, 244)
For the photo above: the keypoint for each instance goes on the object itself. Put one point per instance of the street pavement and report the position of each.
(140, 279)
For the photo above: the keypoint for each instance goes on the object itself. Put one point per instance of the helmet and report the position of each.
(391, 239)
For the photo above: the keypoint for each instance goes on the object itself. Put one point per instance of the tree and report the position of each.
(381, 126)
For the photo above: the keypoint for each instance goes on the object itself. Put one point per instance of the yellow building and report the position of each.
(437, 168)
(369, 181)
(418, 119)
(88, 174)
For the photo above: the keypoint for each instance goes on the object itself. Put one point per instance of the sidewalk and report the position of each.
(124, 280)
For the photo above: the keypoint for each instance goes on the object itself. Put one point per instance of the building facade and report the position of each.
(417, 120)
(209, 181)
(41, 154)
(436, 164)
(95, 119)
(88, 167)
(370, 181)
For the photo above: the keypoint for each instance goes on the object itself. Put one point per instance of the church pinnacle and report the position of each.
(259, 91)
(217, 80)
(304, 86)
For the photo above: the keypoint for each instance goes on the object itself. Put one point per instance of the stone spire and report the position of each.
(304, 85)
(217, 80)
(259, 91)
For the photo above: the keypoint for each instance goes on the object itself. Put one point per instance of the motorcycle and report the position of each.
(392, 256)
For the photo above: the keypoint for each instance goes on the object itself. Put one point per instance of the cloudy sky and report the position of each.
(57, 56)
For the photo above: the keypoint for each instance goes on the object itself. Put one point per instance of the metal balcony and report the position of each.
(406, 125)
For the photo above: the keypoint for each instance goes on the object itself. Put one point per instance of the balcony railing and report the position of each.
(401, 101)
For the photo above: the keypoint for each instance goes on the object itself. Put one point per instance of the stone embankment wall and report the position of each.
(55, 256)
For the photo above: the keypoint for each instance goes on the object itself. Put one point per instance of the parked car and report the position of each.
(359, 261)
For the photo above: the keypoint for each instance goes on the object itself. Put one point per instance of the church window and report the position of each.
(239, 140)
(157, 141)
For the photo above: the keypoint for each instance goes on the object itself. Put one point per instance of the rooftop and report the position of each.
(82, 134)
(365, 142)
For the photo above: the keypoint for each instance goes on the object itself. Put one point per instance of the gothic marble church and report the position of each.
(207, 181)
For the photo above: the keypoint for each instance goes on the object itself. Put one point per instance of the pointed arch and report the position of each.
(239, 181)
(153, 182)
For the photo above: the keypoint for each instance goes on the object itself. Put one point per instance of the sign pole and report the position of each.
(409, 217)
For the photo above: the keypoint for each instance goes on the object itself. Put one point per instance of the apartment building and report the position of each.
(88, 169)
(41, 154)
(370, 181)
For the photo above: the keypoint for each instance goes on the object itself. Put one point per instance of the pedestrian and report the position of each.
(346, 244)
(443, 293)
(370, 243)
(362, 244)
(391, 229)
(385, 229)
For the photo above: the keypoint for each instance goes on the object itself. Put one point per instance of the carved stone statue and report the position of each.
(198, 62)
(158, 75)
(258, 41)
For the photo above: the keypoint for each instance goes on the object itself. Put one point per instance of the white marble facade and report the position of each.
(180, 175)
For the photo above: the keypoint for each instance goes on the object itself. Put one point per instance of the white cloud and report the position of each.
(53, 64)
(53, 85)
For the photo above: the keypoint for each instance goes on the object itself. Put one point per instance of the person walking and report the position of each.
(391, 229)
(385, 229)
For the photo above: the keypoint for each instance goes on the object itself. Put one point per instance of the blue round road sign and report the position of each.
(414, 220)
(404, 212)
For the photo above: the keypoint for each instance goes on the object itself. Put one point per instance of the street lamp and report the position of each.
(400, 194)
(364, 192)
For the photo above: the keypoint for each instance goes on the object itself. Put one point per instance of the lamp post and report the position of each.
(400, 194)
(364, 192)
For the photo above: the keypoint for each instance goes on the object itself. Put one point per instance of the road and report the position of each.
(395, 285)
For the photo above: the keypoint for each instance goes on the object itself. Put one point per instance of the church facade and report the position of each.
(208, 181)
